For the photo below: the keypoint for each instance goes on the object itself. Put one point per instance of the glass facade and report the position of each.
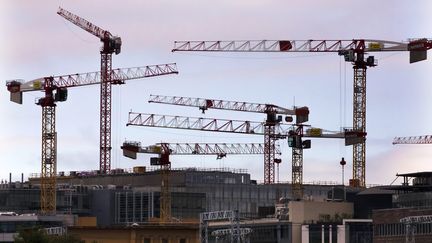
(14, 226)
(140, 206)
(27, 200)
(413, 200)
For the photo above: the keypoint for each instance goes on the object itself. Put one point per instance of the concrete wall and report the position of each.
(103, 206)
(172, 233)
(303, 212)
(86, 221)
(310, 211)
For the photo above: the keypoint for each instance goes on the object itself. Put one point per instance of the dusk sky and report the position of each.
(36, 42)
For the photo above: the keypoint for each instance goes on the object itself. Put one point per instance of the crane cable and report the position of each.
(116, 109)
(88, 41)
(342, 100)
(119, 130)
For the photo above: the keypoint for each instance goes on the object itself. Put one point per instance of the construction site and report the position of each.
(195, 162)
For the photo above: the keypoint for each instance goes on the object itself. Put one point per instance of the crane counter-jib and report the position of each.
(353, 51)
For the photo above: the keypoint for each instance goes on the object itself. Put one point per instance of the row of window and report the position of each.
(399, 229)
(249, 193)
(14, 226)
(139, 206)
(215, 179)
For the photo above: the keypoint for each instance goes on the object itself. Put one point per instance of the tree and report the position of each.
(38, 235)
(31, 235)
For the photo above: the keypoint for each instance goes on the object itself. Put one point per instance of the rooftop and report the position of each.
(417, 174)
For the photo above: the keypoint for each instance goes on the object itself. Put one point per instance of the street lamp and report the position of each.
(343, 163)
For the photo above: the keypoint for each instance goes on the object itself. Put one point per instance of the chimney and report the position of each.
(10, 178)
(22, 178)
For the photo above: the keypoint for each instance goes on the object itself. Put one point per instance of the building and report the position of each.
(370, 199)
(347, 231)
(297, 221)
(407, 201)
(224, 189)
(313, 213)
(125, 198)
(141, 205)
(139, 233)
(264, 230)
(10, 223)
(24, 198)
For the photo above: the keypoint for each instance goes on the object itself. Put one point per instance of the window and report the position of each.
(147, 240)
(164, 240)
(182, 241)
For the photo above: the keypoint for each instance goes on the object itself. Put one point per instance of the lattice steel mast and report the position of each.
(165, 150)
(270, 124)
(353, 51)
(111, 44)
(55, 89)
(282, 131)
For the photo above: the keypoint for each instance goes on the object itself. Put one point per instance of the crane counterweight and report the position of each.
(55, 89)
(353, 50)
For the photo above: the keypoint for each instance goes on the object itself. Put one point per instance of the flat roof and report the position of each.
(417, 174)
(30, 217)
(171, 225)
(420, 188)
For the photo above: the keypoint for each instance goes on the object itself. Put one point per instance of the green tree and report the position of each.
(38, 235)
(31, 235)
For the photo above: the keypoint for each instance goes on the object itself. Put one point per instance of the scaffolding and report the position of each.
(230, 215)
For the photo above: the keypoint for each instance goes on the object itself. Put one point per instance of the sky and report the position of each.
(36, 42)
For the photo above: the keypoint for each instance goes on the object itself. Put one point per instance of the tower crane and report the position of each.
(354, 51)
(282, 131)
(55, 89)
(110, 44)
(273, 112)
(221, 150)
(164, 150)
(413, 140)
(274, 117)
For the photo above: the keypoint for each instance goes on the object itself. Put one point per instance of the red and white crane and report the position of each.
(274, 118)
(427, 139)
(55, 90)
(164, 150)
(282, 131)
(221, 150)
(110, 44)
(354, 51)
(294, 133)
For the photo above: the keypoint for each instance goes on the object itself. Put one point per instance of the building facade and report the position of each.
(223, 189)
(148, 233)
(409, 200)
